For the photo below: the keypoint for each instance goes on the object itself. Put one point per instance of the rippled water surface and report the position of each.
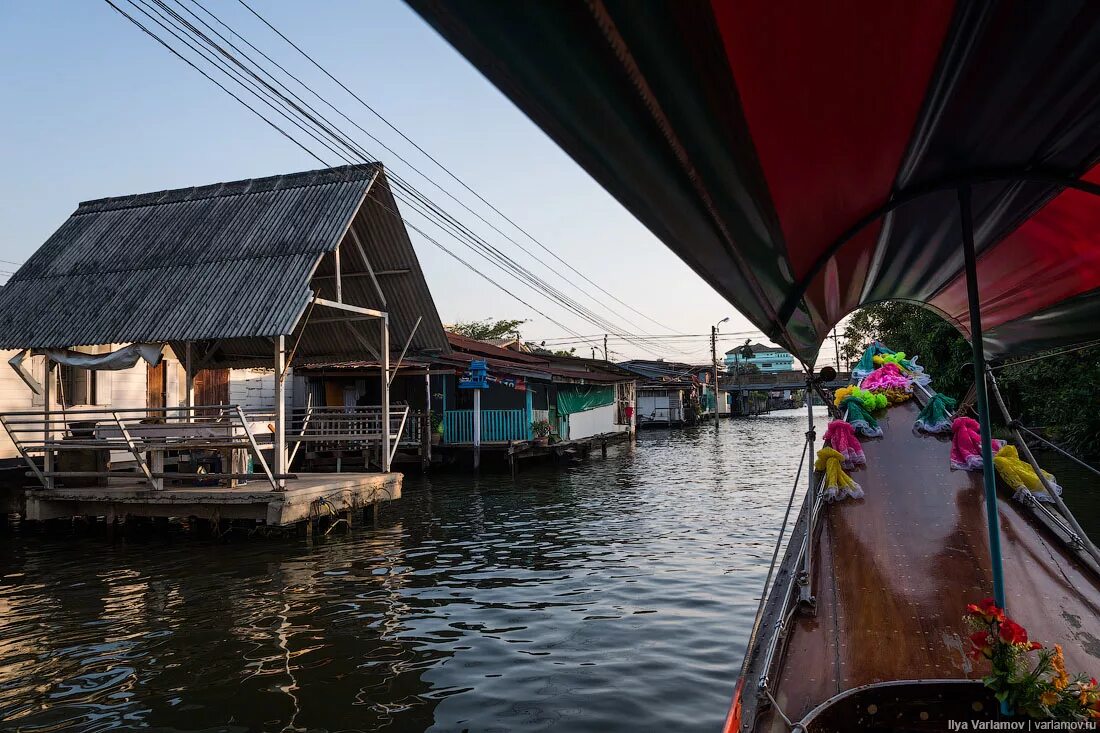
(615, 594)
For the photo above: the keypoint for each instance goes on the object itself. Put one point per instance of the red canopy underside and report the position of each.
(804, 158)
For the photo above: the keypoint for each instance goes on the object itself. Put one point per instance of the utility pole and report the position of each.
(605, 356)
(714, 364)
(836, 345)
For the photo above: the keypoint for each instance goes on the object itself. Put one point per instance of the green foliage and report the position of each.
(1058, 394)
(539, 349)
(489, 328)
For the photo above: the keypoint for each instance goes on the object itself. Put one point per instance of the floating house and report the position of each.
(582, 401)
(672, 393)
(155, 336)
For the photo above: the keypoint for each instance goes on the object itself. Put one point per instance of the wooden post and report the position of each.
(427, 419)
(530, 412)
(384, 352)
(280, 410)
(189, 380)
(477, 429)
(47, 431)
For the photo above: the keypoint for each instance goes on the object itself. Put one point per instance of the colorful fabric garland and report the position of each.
(866, 363)
(912, 370)
(887, 376)
(860, 418)
(966, 446)
(870, 400)
(838, 485)
(841, 437)
(1019, 475)
(936, 415)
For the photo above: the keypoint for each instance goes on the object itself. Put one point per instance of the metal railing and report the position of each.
(147, 436)
(497, 426)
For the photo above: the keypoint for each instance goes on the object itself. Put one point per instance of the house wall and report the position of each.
(125, 388)
(594, 422)
(659, 405)
(254, 389)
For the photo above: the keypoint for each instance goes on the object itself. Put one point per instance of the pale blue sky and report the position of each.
(94, 108)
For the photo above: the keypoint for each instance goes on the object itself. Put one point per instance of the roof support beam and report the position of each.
(366, 263)
(324, 302)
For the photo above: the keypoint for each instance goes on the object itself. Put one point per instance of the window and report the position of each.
(75, 386)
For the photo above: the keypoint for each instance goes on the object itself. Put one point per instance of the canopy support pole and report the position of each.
(988, 476)
(281, 464)
(806, 575)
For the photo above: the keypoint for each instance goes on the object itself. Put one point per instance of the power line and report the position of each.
(238, 79)
(325, 127)
(440, 165)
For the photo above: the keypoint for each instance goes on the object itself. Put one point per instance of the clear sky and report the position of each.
(94, 107)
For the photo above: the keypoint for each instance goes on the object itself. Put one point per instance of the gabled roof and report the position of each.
(546, 366)
(663, 371)
(227, 263)
(759, 349)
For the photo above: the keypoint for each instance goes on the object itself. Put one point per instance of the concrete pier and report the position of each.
(300, 502)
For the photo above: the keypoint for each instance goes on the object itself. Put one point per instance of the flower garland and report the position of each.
(1020, 476)
(935, 417)
(1044, 691)
(866, 363)
(870, 400)
(859, 418)
(841, 437)
(838, 485)
(966, 446)
(889, 380)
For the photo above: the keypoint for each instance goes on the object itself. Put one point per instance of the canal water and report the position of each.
(611, 595)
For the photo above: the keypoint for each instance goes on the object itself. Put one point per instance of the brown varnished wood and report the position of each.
(895, 571)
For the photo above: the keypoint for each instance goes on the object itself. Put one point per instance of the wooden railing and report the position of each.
(497, 426)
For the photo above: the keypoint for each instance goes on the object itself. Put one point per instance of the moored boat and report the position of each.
(809, 159)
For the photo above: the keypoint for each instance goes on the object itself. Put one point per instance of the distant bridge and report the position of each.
(773, 381)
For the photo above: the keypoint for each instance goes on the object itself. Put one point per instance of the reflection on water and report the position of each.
(615, 594)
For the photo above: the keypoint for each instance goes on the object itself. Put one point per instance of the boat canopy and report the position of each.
(807, 158)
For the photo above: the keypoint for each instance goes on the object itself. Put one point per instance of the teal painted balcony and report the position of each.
(497, 426)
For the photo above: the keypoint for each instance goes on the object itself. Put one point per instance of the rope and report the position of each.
(1082, 347)
(793, 726)
(1064, 452)
(778, 544)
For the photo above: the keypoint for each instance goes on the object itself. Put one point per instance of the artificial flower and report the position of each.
(981, 645)
(987, 609)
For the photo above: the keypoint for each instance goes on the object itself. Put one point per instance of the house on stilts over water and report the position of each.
(154, 339)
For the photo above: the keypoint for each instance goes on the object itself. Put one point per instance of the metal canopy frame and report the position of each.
(963, 189)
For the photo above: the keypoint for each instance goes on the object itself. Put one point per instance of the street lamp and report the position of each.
(714, 363)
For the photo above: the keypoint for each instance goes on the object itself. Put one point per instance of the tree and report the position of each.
(489, 328)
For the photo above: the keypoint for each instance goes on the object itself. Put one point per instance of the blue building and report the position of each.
(765, 358)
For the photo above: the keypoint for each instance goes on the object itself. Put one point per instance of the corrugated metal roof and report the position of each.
(230, 262)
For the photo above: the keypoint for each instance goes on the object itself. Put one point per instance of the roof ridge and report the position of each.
(177, 265)
(244, 186)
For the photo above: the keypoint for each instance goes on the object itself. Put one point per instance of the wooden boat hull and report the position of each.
(890, 578)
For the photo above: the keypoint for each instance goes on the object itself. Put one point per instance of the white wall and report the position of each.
(125, 388)
(654, 406)
(254, 389)
(594, 422)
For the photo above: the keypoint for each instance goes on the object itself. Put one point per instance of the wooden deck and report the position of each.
(254, 500)
(895, 571)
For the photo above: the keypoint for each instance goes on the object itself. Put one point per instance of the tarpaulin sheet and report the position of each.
(804, 158)
(582, 398)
